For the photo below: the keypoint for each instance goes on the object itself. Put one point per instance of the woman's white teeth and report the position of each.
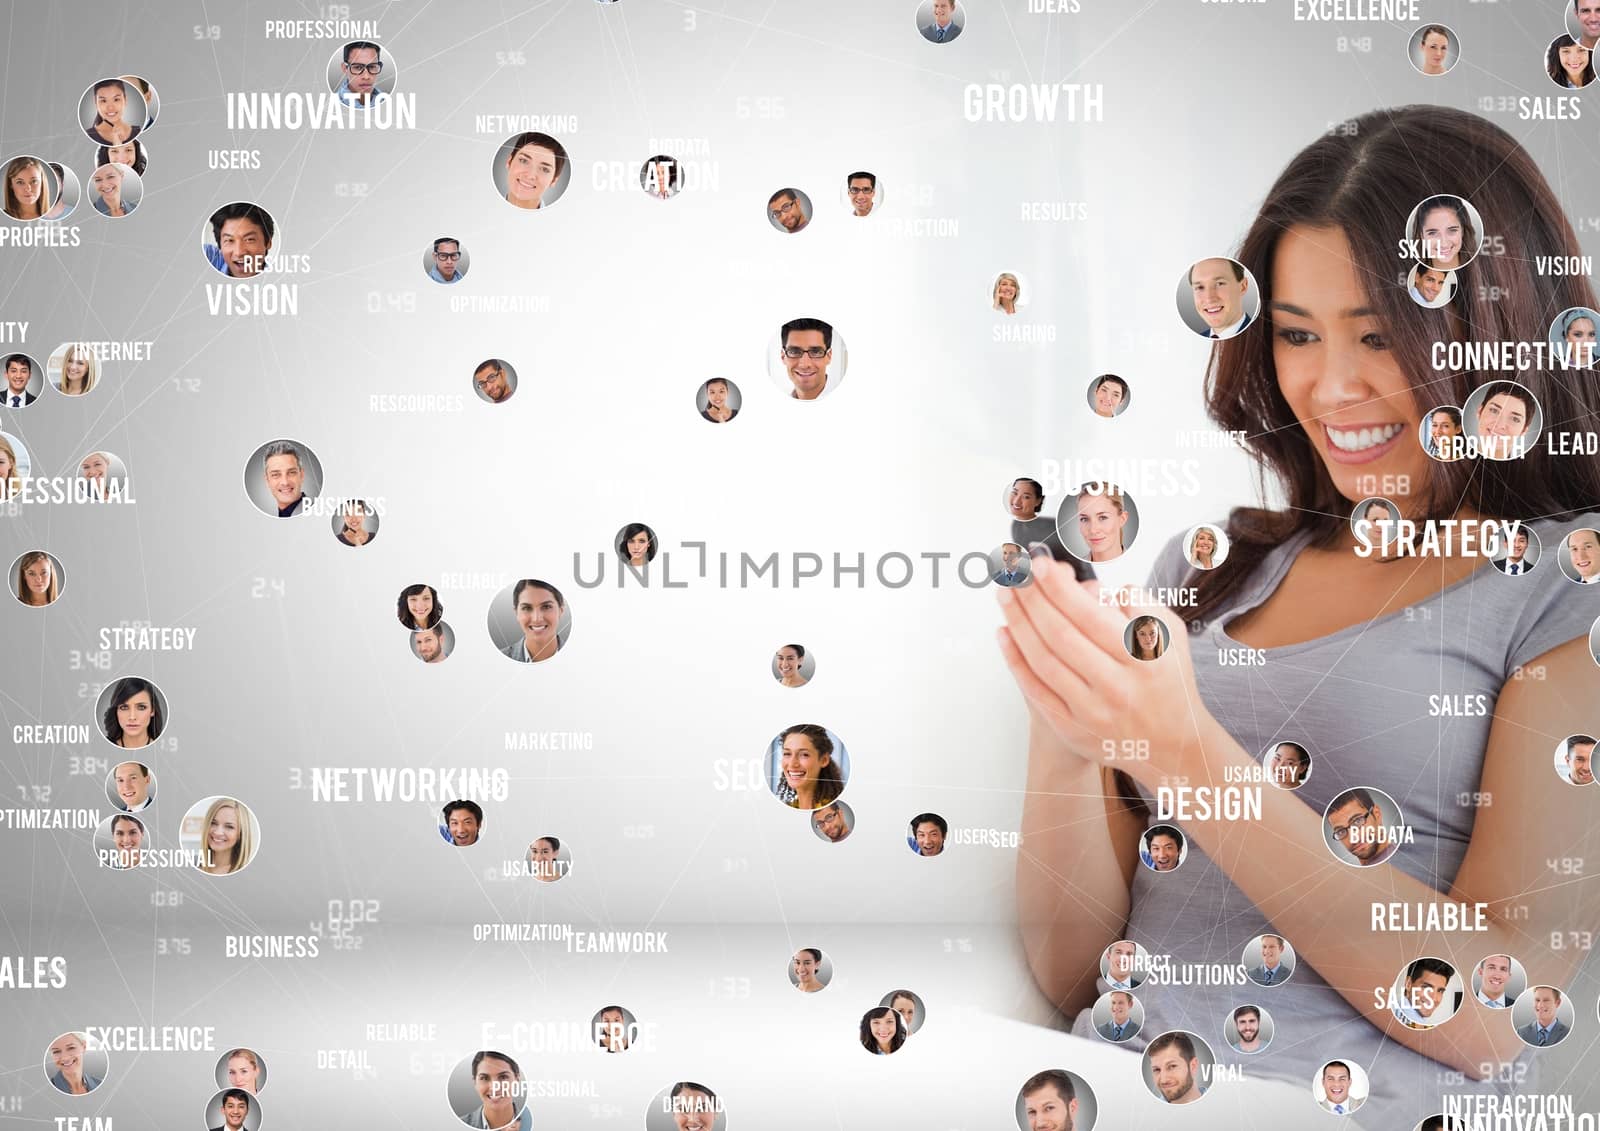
(1366, 438)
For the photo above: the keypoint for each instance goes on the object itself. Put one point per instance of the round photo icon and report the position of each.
(132, 713)
(433, 645)
(1340, 1087)
(1124, 965)
(1574, 329)
(1433, 50)
(355, 523)
(926, 834)
(103, 477)
(1108, 396)
(1444, 231)
(1543, 1016)
(116, 190)
(1218, 298)
(908, 1004)
(494, 380)
(636, 544)
(941, 21)
(242, 1068)
(361, 74)
(1374, 522)
(789, 211)
(1010, 566)
(233, 1109)
(806, 359)
(793, 666)
(1574, 759)
(1288, 765)
(1146, 637)
(1430, 287)
(1022, 500)
(1503, 419)
(461, 823)
(807, 766)
(531, 170)
(1205, 546)
(1098, 522)
(529, 621)
(74, 369)
(1006, 293)
(1583, 22)
(862, 193)
(74, 1066)
(1363, 827)
(1248, 1029)
(1442, 434)
(1117, 1016)
(1426, 993)
(1178, 1066)
(24, 380)
(32, 188)
(718, 400)
(445, 261)
(130, 787)
(222, 834)
(1523, 550)
(686, 1106)
(615, 1028)
(810, 970)
(37, 578)
(661, 177)
(15, 465)
(1056, 1098)
(1163, 848)
(120, 841)
(280, 476)
(833, 822)
(418, 606)
(237, 239)
(113, 110)
(152, 100)
(548, 859)
(71, 191)
(487, 1090)
(1579, 556)
(882, 1031)
(1498, 980)
(133, 154)
(1268, 960)
(1569, 65)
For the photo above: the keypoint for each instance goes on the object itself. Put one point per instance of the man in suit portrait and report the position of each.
(19, 371)
(1515, 563)
(1220, 287)
(944, 27)
(235, 1107)
(1494, 973)
(1546, 1028)
(1122, 1026)
(1013, 569)
(1274, 968)
(1336, 1089)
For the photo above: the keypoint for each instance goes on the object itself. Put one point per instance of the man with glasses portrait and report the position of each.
(807, 348)
(446, 260)
(361, 68)
(1358, 827)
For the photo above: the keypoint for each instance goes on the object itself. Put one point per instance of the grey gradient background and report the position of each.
(298, 664)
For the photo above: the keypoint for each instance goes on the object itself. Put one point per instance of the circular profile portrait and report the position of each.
(529, 621)
(661, 177)
(71, 190)
(355, 523)
(1442, 434)
(1023, 498)
(280, 476)
(487, 1090)
(115, 190)
(1568, 64)
(1177, 1067)
(882, 1031)
(686, 1106)
(1430, 287)
(134, 154)
(434, 644)
(73, 1067)
(120, 841)
(113, 110)
(833, 821)
(807, 766)
(494, 380)
(926, 833)
(1268, 960)
(233, 1109)
(1426, 993)
(1205, 546)
(1498, 980)
(222, 833)
(793, 666)
(361, 74)
(1340, 1087)
(130, 787)
(1504, 419)
(132, 712)
(1433, 49)
(32, 189)
(1579, 556)
(445, 261)
(1288, 765)
(1162, 848)
(531, 170)
(1218, 298)
(1006, 293)
(460, 823)
(1097, 522)
(74, 369)
(102, 477)
(1444, 231)
(24, 380)
(1146, 637)
(548, 859)
(941, 21)
(913, 1013)
(1124, 965)
(1117, 1016)
(636, 544)
(1010, 565)
(1363, 827)
(862, 193)
(810, 970)
(1542, 1016)
(15, 465)
(806, 359)
(152, 100)
(1248, 1029)
(1108, 395)
(718, 400)
(1574, 759)
(1056, 1100)
(1375, 523)
(615, 1028)
(789, 211)
(238, 239)
(418, 606)
(1521, 550)
(244, 1069)
(1583, 22)
(1574, 330)
(37, 578)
